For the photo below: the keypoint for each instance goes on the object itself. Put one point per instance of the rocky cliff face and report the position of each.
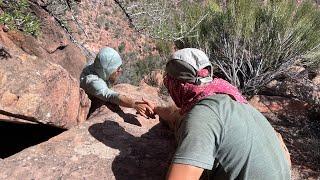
(39, 84)
(53, 43)
(37, 90)
(95, 24)
(42, 91)
(114, 143)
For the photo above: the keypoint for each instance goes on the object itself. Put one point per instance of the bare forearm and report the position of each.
(169, 113)
(184, 172)
(126, 101)
(141, 108)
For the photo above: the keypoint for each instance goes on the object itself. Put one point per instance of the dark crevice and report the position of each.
(17, 137)
(4, 52)
(61, 47)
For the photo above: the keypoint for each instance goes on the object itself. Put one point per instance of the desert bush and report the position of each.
(17, 15)
(122, 47)
(162, 19)
(253, 42)
(164, 47)
(135, 71)
(250, 42)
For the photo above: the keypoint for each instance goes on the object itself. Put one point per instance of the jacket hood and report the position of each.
(107, 61)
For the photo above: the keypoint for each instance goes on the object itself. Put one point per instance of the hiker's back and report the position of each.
(249, 147)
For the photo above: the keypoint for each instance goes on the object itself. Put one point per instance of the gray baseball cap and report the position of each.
(185, 63)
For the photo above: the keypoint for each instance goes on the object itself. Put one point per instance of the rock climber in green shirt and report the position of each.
(219, 135)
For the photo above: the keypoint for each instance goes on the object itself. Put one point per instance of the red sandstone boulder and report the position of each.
(37, 90)
(53, 44)
(114, 143)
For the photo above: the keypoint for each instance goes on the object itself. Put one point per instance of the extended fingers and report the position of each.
(145, 110)
(149, 109)
(146, 101)
(141, 109)
(150, 104)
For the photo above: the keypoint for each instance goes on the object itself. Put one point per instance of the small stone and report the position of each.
(5, 28)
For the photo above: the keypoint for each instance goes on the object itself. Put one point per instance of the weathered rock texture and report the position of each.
(112, 144)
(95, 24)
(299, 84)
(34, 89)
(53, 44)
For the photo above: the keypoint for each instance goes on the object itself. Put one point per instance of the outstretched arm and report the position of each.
(169, 113)
(142, 108)
(95, 86)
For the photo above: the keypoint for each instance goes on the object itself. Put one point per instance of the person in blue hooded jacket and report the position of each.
(99, 75)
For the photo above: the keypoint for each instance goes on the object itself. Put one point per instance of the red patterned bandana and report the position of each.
(185, 94)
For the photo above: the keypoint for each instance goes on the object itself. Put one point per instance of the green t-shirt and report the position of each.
(232, 140)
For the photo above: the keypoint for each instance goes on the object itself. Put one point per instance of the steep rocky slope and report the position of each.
(112, 144)
(35, 89)
(94, 24)
(39, 83)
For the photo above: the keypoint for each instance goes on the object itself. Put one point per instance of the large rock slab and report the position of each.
(114, 143)
(53, 43)
(299, 83)
(35, 89)
(95, 24)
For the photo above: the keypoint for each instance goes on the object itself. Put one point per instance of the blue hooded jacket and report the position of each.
(95, 76)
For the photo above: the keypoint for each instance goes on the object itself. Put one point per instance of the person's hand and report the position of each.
(149, 103)
(144, 109)
(149, 108)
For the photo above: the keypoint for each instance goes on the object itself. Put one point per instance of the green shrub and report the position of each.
(17, 15)
(164, 47)
(143, 67)
(163, 19)
(134, 71)
(252, 42)
(122, 47)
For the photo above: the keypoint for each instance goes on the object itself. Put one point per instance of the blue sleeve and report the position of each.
(95, 86)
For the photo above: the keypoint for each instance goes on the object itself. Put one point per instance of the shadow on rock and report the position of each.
(145, 157)
(96, 104)
(127, 117)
